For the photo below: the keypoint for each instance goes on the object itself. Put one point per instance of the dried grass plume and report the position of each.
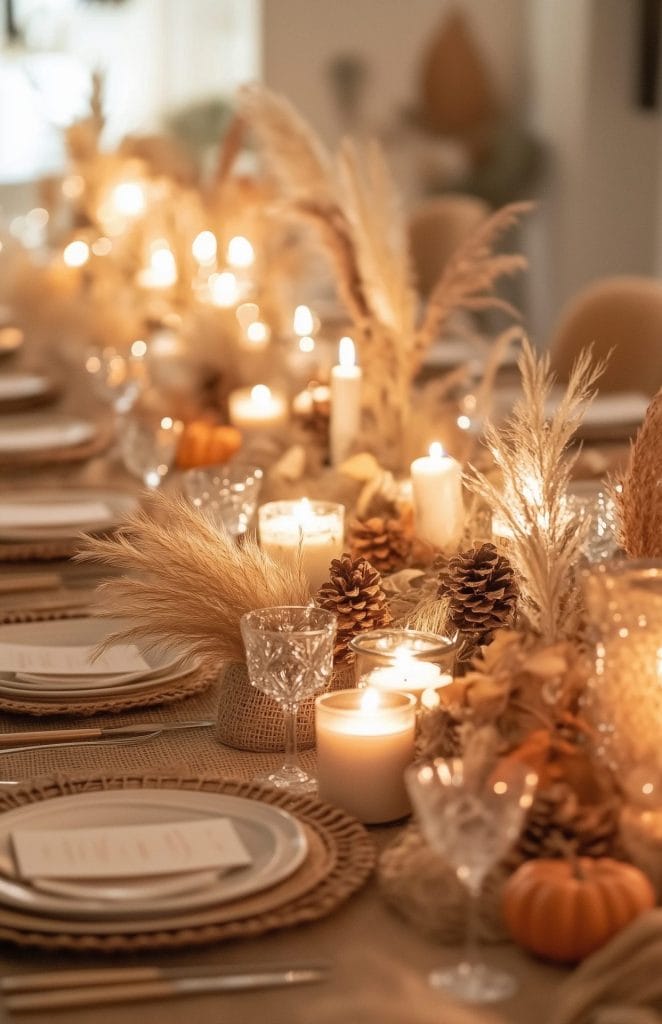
(192, 582)
(639, 499)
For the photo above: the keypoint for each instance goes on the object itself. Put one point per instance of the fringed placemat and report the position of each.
(341, 858)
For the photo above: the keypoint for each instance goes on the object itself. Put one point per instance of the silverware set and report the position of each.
(51, 990)
(47, 739)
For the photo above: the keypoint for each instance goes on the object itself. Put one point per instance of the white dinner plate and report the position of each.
(15, 386)
(31, 433)
(40, 514)
(274, 839)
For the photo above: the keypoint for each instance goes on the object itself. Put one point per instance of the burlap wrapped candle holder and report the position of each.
(249, 720)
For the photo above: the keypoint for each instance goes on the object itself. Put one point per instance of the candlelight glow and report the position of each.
(162, 269)
(204, 247)
(303, 513)
(370, 700)
(346, 353)
(167, 423)
(303, 323)
(306, 344)
(436, 451)
(463, 422)
(139, 348)
(102, 247)
(258, 333)
(261, 395)
(76, 254)
(129, 199)
(240, 253)
(223, 289)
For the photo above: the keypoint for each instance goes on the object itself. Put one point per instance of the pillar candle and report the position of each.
(257, 409)
(437, 491)
(365, 740)
(312, 532)
(345, 402)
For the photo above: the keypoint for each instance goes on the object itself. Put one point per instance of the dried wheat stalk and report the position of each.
(530, 451)
(193, 584)
(639, 499)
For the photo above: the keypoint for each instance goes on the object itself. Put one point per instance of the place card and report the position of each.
(28, 516)
(129, 851)
(71, 661)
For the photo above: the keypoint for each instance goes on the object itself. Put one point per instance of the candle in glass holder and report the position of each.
(365, 740)
(345, 402)
(257, 409)
(437, 491)
(403, 659)
(309, 531)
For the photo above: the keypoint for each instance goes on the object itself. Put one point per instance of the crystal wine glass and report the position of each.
(289, 652)
(148, 445)
(471, 818)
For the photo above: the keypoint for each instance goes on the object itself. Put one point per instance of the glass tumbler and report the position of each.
(227, 495)
(289, 655)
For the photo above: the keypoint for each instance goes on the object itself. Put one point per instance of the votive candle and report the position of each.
(309, 532)
(257, 409)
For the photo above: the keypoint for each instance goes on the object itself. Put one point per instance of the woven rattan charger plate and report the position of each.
(193, 682)
(67, 453)
(340, 860)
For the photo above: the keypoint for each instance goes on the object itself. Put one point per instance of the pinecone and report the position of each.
(480, 584)
(557, 820)
(385, 541)
(355, 593)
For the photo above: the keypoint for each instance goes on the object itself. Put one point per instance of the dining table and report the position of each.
(379, 962)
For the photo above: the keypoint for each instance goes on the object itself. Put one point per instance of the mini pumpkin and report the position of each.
(206, 444)
(563, 910)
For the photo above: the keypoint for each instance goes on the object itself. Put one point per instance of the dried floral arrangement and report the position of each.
(355, 211)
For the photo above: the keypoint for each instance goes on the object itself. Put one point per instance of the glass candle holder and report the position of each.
(404, 660)
(365, 740)
(226, 495)
(311, 532)
(624, 696)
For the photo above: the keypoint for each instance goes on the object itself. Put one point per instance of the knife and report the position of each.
(96, 995)
(51, 736)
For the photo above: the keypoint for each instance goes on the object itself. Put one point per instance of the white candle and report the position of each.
(309, 533)
(257, 409)
(345, 402)
(240, 254)
(204, 248)
(224, 290)
(407, 674)
(162, 269)
(303, 323)
(365, 740)
(437, 490)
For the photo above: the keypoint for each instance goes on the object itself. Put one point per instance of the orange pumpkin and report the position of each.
(565, 909)
(205, 444)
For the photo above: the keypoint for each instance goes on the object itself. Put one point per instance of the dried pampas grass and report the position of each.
(531, 453)
(639, 498)
(192, 584)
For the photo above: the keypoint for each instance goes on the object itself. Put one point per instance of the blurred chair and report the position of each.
(436, 228)
(619, 313)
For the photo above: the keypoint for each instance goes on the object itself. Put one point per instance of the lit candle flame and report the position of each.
(303, 323)
(346, 353)
(370, 700)
(306, 344)
(224, 289)
(204, 247)
(303, 513)
(76, 254)
(240, 254)
(436, 451)
(261, 395)
(258, 333)
(129, 199)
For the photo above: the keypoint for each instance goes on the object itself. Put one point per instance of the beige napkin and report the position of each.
(620, 983)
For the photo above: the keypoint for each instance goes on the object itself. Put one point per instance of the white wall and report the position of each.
(302, 36)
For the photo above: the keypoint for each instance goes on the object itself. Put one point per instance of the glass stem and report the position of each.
(471, 954)
(291, 752)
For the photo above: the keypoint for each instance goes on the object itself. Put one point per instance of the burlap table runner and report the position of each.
(195, 750)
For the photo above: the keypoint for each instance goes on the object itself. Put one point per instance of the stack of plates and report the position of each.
(42, 514)
(110, 899)
(48, 668)
(40, 438)
(25, 391)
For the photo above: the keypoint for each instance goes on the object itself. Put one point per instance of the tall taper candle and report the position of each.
(438, 506)
(345, 402)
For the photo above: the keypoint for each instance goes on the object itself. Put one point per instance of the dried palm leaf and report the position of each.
(531, 453)
(193, 581)
(639, 499)
(468, 280)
